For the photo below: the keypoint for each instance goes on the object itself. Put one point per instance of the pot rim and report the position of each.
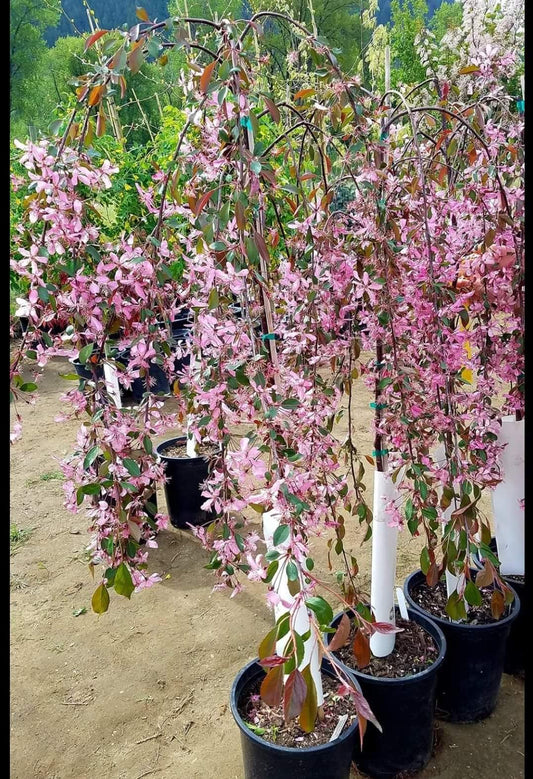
(389, 680)
(346, 733)
(170, 442)
(449, 623)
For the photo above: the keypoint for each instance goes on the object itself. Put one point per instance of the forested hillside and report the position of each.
(113, 13)
(47, 48)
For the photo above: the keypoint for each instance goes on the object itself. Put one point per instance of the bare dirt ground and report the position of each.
(143, 690)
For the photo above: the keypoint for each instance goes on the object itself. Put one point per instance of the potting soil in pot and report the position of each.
(268, 722)
(433, 600)
(180, 450)
(414, 651)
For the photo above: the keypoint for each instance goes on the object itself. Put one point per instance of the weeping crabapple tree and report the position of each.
(277, 283)
(443, 242)
(245, 204)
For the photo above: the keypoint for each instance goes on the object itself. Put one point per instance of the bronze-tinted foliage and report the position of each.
(310, 706)
(272, 686)
(294, 695)
(361, 649)
(205, 78)
(341, 636)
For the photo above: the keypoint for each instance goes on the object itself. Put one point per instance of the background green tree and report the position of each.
(28, 19)
(407, 21)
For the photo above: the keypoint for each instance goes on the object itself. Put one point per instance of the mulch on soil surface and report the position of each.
(180, 450)
(268, 722)
(414, 651)
(433, 600)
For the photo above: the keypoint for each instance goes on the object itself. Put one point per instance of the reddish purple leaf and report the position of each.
(310, 707)
(272, 686)
(341, 636)
(94, 37)
(272, 661)
(361, 649)
(384, 627)
(294, 695)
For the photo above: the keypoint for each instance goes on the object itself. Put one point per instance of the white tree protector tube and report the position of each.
(111, 382)
(507, 499)
(271, 521)
(451, 579)
(191, 442)
(384, 549)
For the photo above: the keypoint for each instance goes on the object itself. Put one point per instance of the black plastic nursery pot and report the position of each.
(515, 651)
(85, 371)
(265, 760)
(515, 660)
(470, 678)
(160, 386)
(182, 488)
(405, 709)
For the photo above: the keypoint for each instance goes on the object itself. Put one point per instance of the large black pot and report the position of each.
(515, 659)
(405, 709)
(264, 760)
(87, 370)
(182, 488)
(515, 651)
(160, 386)
(470, 679)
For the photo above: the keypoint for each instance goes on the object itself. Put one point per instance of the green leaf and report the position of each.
(255, 729)
(93, 252)
(271, 570)
(251, 250)
(90, 457)
(147, 443)
(321, 608)
(267, 647)
(90, 489)
(256, 167)
(131, 466)
(425, 562)
(100, 599)
(473, 595)
(213, 299)
(128, 486)
(153, 48)
(43, 294)
(291, 571)
(283, 625)
(455, 607)
(28, 386)
(85, 353)
(281, 534)
(310, 706)
(123, 582)
(290, 403)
